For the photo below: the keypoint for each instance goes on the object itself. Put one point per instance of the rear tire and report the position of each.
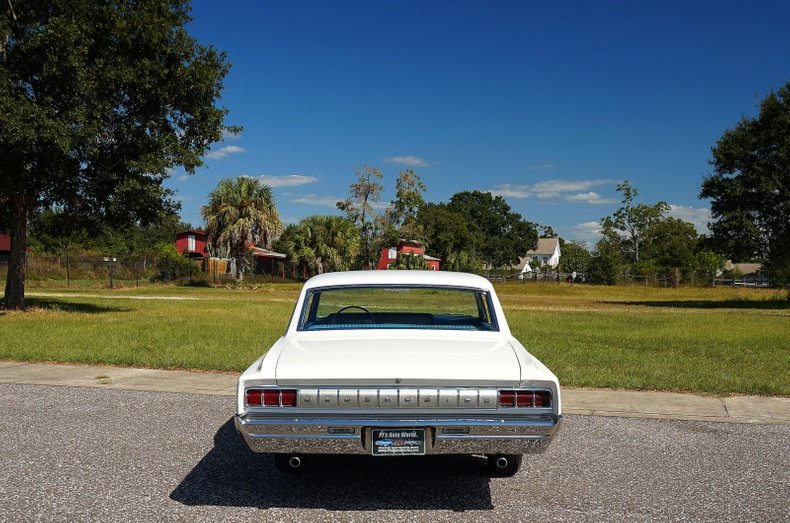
(503, 465)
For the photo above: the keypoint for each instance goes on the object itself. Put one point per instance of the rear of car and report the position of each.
(396, 363)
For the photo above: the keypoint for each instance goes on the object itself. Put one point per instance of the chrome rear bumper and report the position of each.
(443, 436)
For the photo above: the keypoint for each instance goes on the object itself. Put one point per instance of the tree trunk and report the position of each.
(15, 279)
(239, 268)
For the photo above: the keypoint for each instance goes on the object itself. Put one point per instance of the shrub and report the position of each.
(172, 266)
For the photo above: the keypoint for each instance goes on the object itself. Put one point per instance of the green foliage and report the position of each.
(320, 244)
(673, 247)
(641, 240)
(400, 218)
(407, 261)
(99, 100)
(359, 210)
(750, 187)
(463, 261)
(605, 265)
(635, 220)
(447, 233)
(172, 266)
(505, 236)
(708, 264)
(53, 232)
(241, 213)
(575, 258)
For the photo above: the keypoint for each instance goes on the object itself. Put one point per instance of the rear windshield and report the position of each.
(397, 307)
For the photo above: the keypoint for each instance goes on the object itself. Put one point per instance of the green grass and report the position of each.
(691, 339)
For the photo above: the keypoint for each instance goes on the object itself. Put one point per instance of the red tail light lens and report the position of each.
(253, 396)
(288, 398)
(543, 398)
(525, 398)
(271, 397)
(507, 398)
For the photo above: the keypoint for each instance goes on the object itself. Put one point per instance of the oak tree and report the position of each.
(99, 101)
(749, 188)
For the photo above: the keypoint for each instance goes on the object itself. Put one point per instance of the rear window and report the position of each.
(397, 307)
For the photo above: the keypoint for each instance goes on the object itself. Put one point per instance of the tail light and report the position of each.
(526, 398)
(507, 398)
(271, 397)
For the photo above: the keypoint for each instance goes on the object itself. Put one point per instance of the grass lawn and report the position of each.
(706, 340)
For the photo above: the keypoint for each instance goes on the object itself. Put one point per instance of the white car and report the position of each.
(398, 363)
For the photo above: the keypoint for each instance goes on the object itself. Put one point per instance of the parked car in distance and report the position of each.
(398, 363)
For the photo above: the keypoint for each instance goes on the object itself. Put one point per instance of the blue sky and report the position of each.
(550, 104)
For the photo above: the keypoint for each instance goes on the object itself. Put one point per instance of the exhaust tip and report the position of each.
(501, 462)
(295, 462)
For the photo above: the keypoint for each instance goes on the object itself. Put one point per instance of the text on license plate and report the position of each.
(398, 442)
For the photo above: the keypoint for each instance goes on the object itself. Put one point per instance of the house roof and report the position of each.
(523, 263)
(744, 268)
(266, 253)
(546, 246)
(191, 231)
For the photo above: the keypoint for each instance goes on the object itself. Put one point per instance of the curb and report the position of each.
(587, 402)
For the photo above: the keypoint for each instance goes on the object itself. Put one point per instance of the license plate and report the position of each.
(398, 442)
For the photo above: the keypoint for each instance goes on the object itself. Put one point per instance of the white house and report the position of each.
(546, 253)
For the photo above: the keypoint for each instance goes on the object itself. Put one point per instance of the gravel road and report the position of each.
(71, 454)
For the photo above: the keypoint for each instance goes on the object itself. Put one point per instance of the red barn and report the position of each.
(192, 243)
(389, 255)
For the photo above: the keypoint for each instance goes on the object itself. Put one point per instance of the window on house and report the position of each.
(393, 254)
(191, 243)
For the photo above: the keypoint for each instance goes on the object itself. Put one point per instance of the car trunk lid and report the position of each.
(398, 360)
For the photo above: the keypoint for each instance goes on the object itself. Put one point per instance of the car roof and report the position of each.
(398, 277)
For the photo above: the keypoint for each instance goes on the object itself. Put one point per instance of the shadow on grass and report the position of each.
(232, 475)
(68, 306)
(709, 304)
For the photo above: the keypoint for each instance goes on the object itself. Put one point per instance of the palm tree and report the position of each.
(240, 214)
(321, 244)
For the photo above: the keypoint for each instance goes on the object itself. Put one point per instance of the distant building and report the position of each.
(546, 253)
(751, 273)
(266, 260)
(192, 243)
(389, 255)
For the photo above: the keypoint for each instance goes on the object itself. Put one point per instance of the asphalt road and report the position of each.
(71, 454)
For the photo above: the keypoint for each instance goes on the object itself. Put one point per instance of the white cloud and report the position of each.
(408, 161)
(182, 198)
(288, 180)
(315, 199)
(223, 152)
(587, 231)
(555, 189)
(183, 178)
(590, 197)
(543, 167)
(699, 216)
